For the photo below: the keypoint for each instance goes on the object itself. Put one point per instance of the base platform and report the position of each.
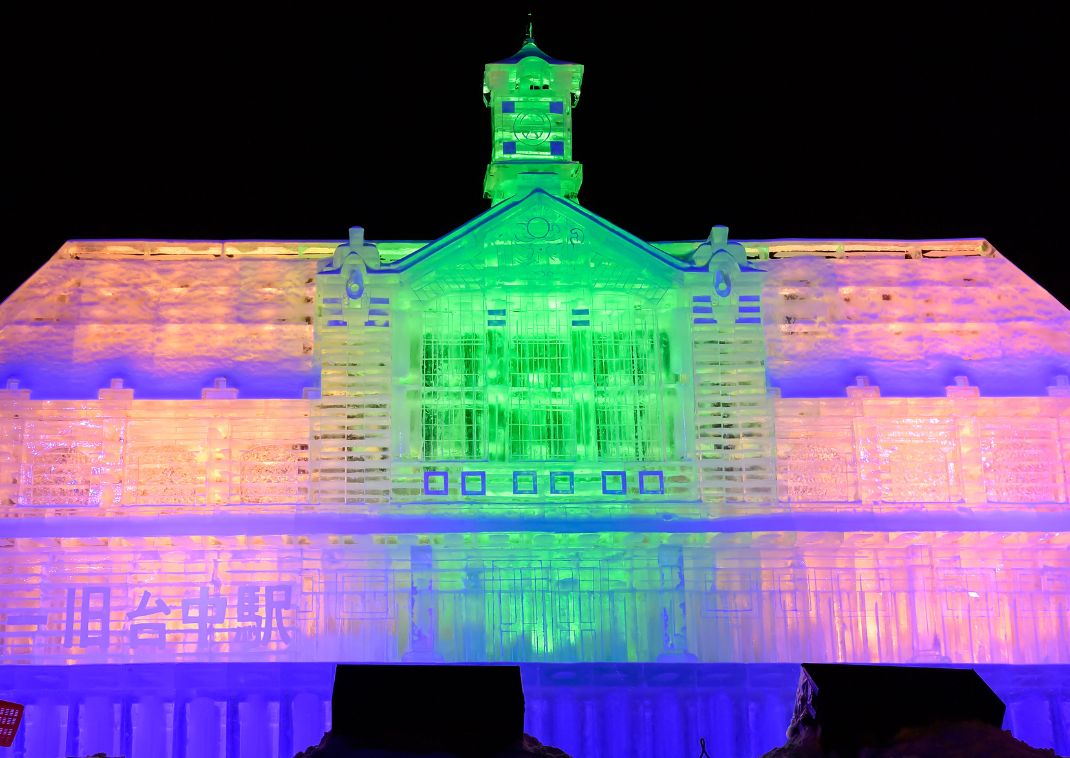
(272, 710)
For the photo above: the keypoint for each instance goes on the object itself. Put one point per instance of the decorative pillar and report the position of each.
(474, 619)
(673, 604)
(964, 400)
(1060, 393)
(928, 647)
(866, 446)
(423, 615)
(350, 454)
(115, 403)
(217, 474)
(734, 434)
(13, 411)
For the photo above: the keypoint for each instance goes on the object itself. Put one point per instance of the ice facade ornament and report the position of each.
(537, 439)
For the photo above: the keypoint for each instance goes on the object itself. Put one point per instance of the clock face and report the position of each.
(532, 128)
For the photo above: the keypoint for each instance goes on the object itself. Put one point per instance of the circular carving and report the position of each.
(537, 227)
(532, 128)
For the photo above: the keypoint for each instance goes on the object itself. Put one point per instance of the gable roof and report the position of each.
(503, 210)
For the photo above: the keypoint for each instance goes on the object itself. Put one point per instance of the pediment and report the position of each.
(540, 241)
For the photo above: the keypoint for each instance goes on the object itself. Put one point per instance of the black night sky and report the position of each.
(867, 122)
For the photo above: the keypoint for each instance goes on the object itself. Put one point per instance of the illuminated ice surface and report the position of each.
(537, 439)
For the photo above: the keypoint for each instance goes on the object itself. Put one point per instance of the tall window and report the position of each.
(625, 349)
(542, 404)
(453, 397)
(543, 381)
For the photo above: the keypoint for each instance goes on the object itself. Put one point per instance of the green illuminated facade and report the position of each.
(538, 350)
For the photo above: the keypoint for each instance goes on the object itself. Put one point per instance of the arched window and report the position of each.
(60, 476)
(276, 473)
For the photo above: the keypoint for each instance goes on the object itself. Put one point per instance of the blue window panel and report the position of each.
(336, 322)
(557, 147)
(557, 106)
(508, 106)
(702, 309)
(525, 483)
(581, 311)
(702, 299)
(750, 298)
(509, 148)
(495, 322)
(436, 483)
(748, 321)
(377, 312)
(651, 483)
(581, 322)
(704, 320)
(562, 483)
(614, 482)
(379, 300)
(750, 309)
(495, 311)
(473, 482)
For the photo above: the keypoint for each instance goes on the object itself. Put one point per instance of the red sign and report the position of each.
(10, 717)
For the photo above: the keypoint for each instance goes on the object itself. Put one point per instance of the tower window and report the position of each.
(557, 148)
(509, 148)
(508, 106)
(557, 106)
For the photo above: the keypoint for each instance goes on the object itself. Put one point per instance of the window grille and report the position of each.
(60, 476)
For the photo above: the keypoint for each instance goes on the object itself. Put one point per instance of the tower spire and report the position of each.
(531, 96)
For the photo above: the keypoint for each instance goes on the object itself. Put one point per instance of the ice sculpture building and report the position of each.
(655, 473)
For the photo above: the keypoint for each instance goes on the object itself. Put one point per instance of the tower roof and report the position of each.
(530, 50)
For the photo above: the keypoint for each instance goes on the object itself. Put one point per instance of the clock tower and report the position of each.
(531, 97)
